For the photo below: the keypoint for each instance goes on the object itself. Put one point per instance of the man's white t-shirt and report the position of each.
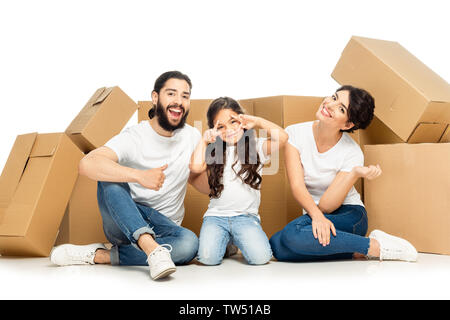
(320, 169)
(237, 197)
(140, 147)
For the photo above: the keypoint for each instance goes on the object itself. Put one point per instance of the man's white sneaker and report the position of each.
(69, 254)
(160, 262)
(394, 248)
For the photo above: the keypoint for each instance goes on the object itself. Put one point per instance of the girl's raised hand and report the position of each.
(247, 121)
(210, 135)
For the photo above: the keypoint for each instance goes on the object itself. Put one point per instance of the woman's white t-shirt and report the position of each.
(140, 147)
(320, 169)
(237, 197)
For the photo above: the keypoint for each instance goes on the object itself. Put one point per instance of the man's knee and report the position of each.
(112, 187)
(186, 248)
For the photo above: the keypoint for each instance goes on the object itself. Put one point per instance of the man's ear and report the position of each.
(155, 97)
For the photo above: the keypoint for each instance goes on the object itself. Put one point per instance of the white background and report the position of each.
(55, 54)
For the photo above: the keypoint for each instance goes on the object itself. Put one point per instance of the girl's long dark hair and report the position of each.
(216, 152)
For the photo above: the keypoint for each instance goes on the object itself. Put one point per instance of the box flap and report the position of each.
(14, 167)
(407, 66)
(83, 117)
(45, 145)
(446, 136)
(101, 95)
(427, 133)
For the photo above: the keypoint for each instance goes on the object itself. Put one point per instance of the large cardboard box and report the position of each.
(411, 99)
(411, 199)
(35, 187)
(103, 116)
(82, 222)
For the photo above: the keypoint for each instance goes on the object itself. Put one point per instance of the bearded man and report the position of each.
(142, 175)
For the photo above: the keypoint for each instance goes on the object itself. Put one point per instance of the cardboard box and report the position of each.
(35, 187)
(411, 199)
(103, 116)
(412, 100)
(82, 222)
(446, 136)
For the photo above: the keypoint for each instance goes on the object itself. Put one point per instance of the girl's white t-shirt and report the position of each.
(320, 169)
(140, 147)
(237, 197)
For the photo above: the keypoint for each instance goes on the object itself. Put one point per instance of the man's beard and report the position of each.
(163, 120)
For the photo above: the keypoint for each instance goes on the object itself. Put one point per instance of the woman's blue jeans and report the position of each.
(296, 242)
(124, 221)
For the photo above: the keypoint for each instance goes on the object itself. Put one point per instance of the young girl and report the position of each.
(322, 164)
(232, 157)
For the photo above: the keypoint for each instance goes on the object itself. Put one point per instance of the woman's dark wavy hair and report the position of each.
(360, 109)
(216, 152)
(161, 81)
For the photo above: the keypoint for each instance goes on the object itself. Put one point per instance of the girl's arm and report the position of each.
(321, 226)
(200, 182)
(277, 136)
(198, 163)
(335, 195)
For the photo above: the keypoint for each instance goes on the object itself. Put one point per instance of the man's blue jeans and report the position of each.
(124, 221)
(296, 241)
(244, 231)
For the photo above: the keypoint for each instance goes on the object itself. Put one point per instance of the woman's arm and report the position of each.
(321, 226)
(335, 194)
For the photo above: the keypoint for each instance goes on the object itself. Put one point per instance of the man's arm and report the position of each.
(102, 164)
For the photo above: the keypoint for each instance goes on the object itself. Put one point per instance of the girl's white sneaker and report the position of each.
(394, 248)
(70, 254)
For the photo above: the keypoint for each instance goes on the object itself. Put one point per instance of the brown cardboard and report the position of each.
(446, 136)
(411, 199)
(82, 222)
(103, 116)
(35, 187)
(411, 99)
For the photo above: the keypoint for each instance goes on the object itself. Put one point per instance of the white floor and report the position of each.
(37, 278)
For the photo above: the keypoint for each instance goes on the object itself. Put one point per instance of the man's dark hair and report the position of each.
(161, 81)
(360, 109)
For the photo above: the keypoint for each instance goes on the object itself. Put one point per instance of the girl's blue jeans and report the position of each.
(244, 231)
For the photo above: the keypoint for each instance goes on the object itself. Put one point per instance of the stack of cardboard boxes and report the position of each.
(42, 198)
(412, 197)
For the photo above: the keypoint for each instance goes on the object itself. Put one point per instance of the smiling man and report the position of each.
(142, 175)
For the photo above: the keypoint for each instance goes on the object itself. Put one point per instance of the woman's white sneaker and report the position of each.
(69, 254)
(160, 262)
(394, 248)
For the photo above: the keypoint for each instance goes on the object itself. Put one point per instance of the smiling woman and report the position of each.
(323, 163)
